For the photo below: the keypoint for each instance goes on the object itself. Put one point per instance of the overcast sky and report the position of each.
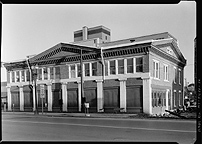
(31, 29)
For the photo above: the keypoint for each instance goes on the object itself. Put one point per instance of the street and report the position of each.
(44, 128)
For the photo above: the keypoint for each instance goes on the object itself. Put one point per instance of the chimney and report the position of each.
(85, 33)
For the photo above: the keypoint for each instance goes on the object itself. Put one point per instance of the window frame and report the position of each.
(155, 70)
(122, 66)
(113, 68)
(127, 66)
(166, 73)
(71, 71)
(92, 69)
(138, 65)
(175, 98)
(179, 76)
(175, 75)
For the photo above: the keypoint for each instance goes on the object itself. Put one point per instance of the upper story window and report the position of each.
(121, 66)
(23, 76)
(57, 72)
(139, 64)
(175, 74)
(13, 76)
(156, 69)
(72, 71)
(27, 75)
(130, 65)
(179, 76)
(87, 69)
(51, 72)
(94, 69)
(78, 70)
(18, 76)
(165, 69)
(45, 73)
(112, 67)
(39, 74)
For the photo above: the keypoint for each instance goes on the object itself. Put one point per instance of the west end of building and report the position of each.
(141, 74)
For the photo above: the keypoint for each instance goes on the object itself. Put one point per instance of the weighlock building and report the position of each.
(139, 75)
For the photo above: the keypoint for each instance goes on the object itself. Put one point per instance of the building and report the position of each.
(3, 95)
(140, 74)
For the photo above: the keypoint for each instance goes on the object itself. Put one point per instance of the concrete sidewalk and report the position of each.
(92, 115)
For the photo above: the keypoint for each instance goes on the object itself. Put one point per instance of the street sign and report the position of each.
(42, 91)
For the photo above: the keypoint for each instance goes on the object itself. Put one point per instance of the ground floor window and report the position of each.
(158, 98)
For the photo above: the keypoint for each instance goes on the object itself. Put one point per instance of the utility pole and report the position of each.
(81, 71)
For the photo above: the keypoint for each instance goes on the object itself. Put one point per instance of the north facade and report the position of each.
(142, 74)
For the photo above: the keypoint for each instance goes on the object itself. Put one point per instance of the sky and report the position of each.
(31, 29)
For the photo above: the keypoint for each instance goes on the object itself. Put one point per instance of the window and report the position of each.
(179, 76)
(175, 98)
(180, 102)
(156, 69)
(94, 69)
(13, 76)
(130, 65)
(106, 37)
(57, 72)
(45, 73)
(27, 75)
(165, 72)
(139, 64)
(72, 71)
(153, 99)
(23, 76)
(121, 66)
(17, 76)
(175, 71)
(78, 70)
(39, 74)
(112, 67)
(51, 72)
(169, 98)
(87, 69)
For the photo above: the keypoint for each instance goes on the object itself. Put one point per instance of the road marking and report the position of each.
(101, 126)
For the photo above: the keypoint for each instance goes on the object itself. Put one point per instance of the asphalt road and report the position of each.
(43, 128)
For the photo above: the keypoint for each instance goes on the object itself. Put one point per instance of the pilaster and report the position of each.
(147, 99)
(64, 96)
(9, 97)
(123, 93)
(50, 97)
(21, 98)
(100, 100)
(34, 106)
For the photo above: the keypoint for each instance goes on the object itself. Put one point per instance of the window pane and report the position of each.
(23, 76)
(17, 76)
(139, 64)
(94, 69)
(45, 73)
(51, 73)
(121, 66)
(78, 70)
(39, 74)
(13, 76)
(87, 70)
(72, 71)
(112, 67)
(130, 65)
(57, 72)
(27, 75)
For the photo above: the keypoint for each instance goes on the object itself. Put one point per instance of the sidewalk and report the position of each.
(91, 115)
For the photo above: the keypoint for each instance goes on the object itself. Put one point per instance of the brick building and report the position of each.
(140, 74)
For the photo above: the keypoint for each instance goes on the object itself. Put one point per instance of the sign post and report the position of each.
(42, 95)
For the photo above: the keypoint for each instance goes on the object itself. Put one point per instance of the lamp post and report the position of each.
(82, 95)
(34, 77)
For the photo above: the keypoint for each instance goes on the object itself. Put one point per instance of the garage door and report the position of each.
(111, 98)
(134, 99)
(72, 100)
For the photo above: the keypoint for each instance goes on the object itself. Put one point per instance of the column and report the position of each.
(123, 94)
(100, 100)
(64, 96)
(147, 99)
(9, 98)
(49, 85)
(79, 95)
(21, 98)
(33, 90)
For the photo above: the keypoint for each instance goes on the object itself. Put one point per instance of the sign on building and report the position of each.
(42, 91)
